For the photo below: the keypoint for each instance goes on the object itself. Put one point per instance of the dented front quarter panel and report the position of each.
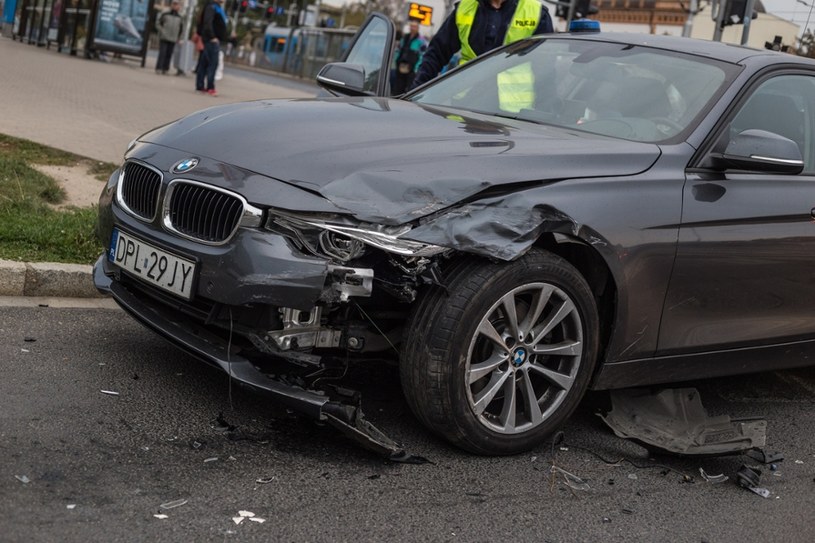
(632, 223)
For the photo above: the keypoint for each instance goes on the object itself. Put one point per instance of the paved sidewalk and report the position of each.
(95, 109)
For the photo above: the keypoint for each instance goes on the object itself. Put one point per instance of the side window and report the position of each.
(784, 105)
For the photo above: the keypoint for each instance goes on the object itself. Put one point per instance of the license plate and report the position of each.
(152, 265)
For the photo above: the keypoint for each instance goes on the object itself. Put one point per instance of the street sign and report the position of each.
(423, 14)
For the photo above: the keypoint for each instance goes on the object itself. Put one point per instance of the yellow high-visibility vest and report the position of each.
(516, 85)
(524, 22)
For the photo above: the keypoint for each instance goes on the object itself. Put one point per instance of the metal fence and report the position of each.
(299, 52)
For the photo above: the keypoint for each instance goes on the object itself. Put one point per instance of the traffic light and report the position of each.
(243, 6)
(735, 12)
(582, 8)
(270, 11)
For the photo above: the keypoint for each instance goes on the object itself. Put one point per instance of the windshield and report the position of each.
(620, 90)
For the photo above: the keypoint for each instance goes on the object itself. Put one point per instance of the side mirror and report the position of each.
(761, 151)
(343, 78)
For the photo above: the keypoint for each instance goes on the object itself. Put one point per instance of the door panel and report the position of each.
(744, 271)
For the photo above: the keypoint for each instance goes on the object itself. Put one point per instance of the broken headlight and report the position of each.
(347, 242)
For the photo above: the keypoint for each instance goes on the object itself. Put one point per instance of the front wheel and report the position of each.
(500, 359)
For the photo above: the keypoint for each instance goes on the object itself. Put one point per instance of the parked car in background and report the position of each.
(632, 212)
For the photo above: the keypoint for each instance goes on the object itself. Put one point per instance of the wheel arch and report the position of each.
(590, 263)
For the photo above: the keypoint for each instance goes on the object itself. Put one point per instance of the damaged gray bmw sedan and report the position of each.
(568, 212)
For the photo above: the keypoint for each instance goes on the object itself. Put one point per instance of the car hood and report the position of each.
(392, 161)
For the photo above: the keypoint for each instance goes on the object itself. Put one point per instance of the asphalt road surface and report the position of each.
(98, 466)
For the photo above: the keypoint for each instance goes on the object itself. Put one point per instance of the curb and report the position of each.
(47, 279)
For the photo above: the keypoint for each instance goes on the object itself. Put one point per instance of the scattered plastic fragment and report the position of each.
(231, 458)
(70, 506)
(145, 449)
(773, 467)
(246, 513)
(237, 520)
(196, 444)
(534, 458)
(221, 425)
(674, 420)
(257, 519)
(25, 350)
(29, 339)
(606, 520)
(714, 479)
(571, 480)
(799, 461)
(102, 364)
(109, 392)
(764, 457)
(173, 504)
(627, 511)
(564, 449)
(748, 478)
(161, 516)
(264, 480)
(633, 476)
(23, 479)
(211, 459)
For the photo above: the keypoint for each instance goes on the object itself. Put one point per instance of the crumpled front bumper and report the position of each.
(195, 339)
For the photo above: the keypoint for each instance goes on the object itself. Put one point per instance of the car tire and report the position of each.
(469, 372)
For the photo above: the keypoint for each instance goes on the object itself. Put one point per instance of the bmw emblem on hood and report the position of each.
(185, 165)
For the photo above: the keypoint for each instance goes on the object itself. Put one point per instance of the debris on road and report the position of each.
(161, 516)
(211, 459)
(675, 421)
(23, 479)
(749, 478)
(714, 479)
(109, 392)
(572, 481)
(29, 339)
(70, 506)
(173, 504)
(247, 514)
(264, 480)
(760, 455)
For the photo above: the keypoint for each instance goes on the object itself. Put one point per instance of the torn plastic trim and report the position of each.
(674, 421)
(196, 340)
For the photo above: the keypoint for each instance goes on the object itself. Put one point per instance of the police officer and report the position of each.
(478, 26)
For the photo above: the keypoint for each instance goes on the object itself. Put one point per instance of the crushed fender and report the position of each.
(674, 421)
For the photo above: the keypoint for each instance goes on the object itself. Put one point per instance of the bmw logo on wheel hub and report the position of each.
(519, 357)
(185, 165)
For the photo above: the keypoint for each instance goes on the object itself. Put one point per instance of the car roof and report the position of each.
(726, 52)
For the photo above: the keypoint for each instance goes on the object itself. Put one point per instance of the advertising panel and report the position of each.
(121, 25)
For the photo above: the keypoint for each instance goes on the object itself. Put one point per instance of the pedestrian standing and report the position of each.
(212, 29)
(169, 28)
(408, 58)
(478, 26)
